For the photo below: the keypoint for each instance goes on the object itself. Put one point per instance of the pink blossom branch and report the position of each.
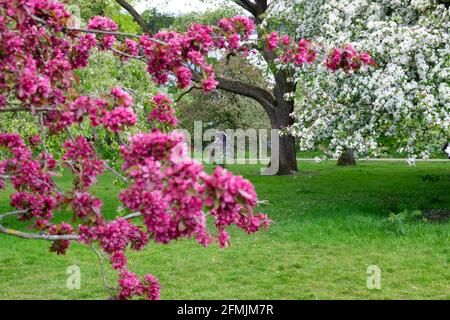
(23, 109)
(34, 236)
(113, 33)
(47, 237)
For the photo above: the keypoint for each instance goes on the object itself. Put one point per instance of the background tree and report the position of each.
(401, 106)
(277, 108)
(221, 109)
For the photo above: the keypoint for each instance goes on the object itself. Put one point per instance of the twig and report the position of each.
(140, 58)
(34, 236)
(102, 269)
(43, 133)
(23, 109)
(132, 216)
(185, 93)
(117, 174)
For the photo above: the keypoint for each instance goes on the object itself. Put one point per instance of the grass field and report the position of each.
(329, 226)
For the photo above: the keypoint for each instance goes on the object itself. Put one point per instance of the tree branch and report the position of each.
(247, 5)
(24, 235)
(136, 16)
(47, 237)
(263, 97)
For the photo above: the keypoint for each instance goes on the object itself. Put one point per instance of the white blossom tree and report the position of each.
(402, 105)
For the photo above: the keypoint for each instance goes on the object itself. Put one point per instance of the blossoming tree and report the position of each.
(402, 105)
(274, 102)
(168, 195)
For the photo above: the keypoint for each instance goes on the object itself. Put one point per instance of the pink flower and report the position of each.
(129, 285)
(119, 118)
(105, 24)
(184, 76)
(122, 98)
(272, 41)
(163, 112)
(81, 159)
(60, 246)
(85, 205)
(151, 288)
(234, 41)
(224, 239)
(285, 40)
(210, 84)
(35, 140)
(118, 260)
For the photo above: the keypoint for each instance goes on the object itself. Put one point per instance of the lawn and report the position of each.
(329, 226)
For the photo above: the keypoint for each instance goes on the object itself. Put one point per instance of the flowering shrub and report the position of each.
(167, 190)
(403, 104)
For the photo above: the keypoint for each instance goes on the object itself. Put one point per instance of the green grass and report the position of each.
(328, 228)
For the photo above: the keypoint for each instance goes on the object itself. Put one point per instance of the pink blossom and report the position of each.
(272, 41)
(122, 98)
(119, 118)
(86, 206)
(118, 260)
(151, 287)
(60, 246)
(210, 84)
(163, 112)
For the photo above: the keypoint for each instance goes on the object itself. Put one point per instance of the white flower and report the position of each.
(411, 162)
(447, 150)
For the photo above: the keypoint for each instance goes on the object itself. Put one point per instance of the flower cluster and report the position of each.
(81, 159)
(60, 246)
(347, 59)
(163, 111)
(113, 112)
(105, 24)
(85, 206)
(170, 190)
(114, 237)
(129, 47)
(31, 178)
(232, 200)
(130, 285)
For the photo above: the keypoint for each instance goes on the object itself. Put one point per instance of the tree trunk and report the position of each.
(287, 153)
(347, 158)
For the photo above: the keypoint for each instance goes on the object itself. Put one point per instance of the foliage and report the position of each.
(398, 222)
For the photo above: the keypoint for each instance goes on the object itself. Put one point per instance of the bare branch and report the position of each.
(185, 93)
(25, 109)
(263, 97)
(43, 236)
(132, 216)
(247, 5)
(141, 58)
(136, 16)
(102, 268)
(117, 174)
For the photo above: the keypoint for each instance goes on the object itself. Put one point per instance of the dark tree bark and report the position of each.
(136, 16)
(347, 158)
(277, 109)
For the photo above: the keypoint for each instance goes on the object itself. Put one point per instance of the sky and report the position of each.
(173, 6)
